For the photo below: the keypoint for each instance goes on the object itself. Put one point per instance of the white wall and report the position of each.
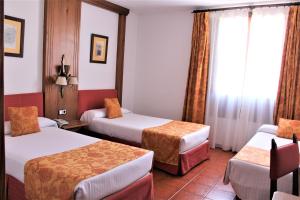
(130, 58)
(157, 52)
(102, 22)
(163, 53)
(23, 75)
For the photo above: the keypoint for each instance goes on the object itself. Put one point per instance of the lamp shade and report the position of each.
(61, 80)
(73, 80)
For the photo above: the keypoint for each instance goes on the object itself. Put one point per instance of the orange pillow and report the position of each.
(24, 120)
(113, 109)
(286, 128)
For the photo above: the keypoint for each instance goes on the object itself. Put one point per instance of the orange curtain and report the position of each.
(288, 97)
(195, 99)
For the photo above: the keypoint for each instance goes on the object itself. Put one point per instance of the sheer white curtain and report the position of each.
(244, 71)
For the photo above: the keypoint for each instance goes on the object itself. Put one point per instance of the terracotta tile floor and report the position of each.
(203, 182)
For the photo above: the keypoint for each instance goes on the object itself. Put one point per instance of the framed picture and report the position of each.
(99, 45)
(13, 36)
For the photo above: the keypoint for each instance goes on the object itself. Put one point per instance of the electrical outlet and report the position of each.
(62, 112)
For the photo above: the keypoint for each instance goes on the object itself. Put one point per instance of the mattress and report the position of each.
(52, 140)
(130, 127)
(251, 181)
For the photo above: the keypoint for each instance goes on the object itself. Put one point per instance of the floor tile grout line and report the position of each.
(201, 172)
(187, 183)
(217, 189)
(212, 188)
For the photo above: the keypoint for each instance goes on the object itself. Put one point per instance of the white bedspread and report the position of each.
(251, 181)
(130, 127)
(52, 140)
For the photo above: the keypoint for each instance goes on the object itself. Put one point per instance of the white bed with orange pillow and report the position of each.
(178, 146)
(45, 162)
(130, 127)
(250, 180)
(51, 140)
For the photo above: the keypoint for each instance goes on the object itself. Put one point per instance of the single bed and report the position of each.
(251, 181)
(112, 184)
(129, 128)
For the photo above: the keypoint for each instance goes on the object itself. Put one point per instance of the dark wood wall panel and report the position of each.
(61, 36)
(108, 6)
(2, 148)
(120, 56)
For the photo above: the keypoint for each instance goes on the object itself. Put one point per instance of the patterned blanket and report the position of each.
(55, 177)
(165, 140)
(254, 155)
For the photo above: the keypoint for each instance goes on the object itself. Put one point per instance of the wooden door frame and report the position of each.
(2, 147)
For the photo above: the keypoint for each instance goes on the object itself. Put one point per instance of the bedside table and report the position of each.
(74, 125)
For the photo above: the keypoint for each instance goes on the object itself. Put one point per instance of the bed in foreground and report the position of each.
(59, 164)
(248, 171)
(107, 180)
(178, 146)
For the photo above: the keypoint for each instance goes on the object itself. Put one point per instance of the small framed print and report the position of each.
(13, 36)
(98, 52)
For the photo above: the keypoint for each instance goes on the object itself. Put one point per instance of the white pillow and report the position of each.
(43, 122)
(89, 115)
(46, 122)
(125, 111)
(268, 128)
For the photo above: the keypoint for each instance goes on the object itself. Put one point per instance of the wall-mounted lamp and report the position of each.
(64, 78)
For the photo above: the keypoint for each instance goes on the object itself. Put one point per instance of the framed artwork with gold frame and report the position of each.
(98, 51)
(13, 36)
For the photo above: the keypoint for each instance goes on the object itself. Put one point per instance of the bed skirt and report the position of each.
(187, 160)
(139, 190)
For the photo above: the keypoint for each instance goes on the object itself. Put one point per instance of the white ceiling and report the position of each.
(145, 6)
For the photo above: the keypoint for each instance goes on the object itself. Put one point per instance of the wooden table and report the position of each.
(74, 125)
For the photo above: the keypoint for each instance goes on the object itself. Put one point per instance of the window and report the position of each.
(244, 72)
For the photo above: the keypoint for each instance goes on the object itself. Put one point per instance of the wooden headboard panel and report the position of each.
(93, 99)
(27, 99)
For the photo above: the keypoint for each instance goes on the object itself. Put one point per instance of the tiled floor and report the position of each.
(202, 183)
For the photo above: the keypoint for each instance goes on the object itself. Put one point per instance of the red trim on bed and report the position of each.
(28, 99)
(93, 99)
(15, 189)
(171, 169)
(141, 189)
(188, 160)
(194, 156)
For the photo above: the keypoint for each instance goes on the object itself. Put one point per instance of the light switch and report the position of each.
(62, 112)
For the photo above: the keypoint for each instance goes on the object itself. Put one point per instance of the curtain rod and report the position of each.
(248, 6)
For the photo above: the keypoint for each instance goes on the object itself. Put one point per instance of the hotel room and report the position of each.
(149, 100)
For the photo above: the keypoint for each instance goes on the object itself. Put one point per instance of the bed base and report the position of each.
(141, 189)
(15, 189)
(187, 160)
